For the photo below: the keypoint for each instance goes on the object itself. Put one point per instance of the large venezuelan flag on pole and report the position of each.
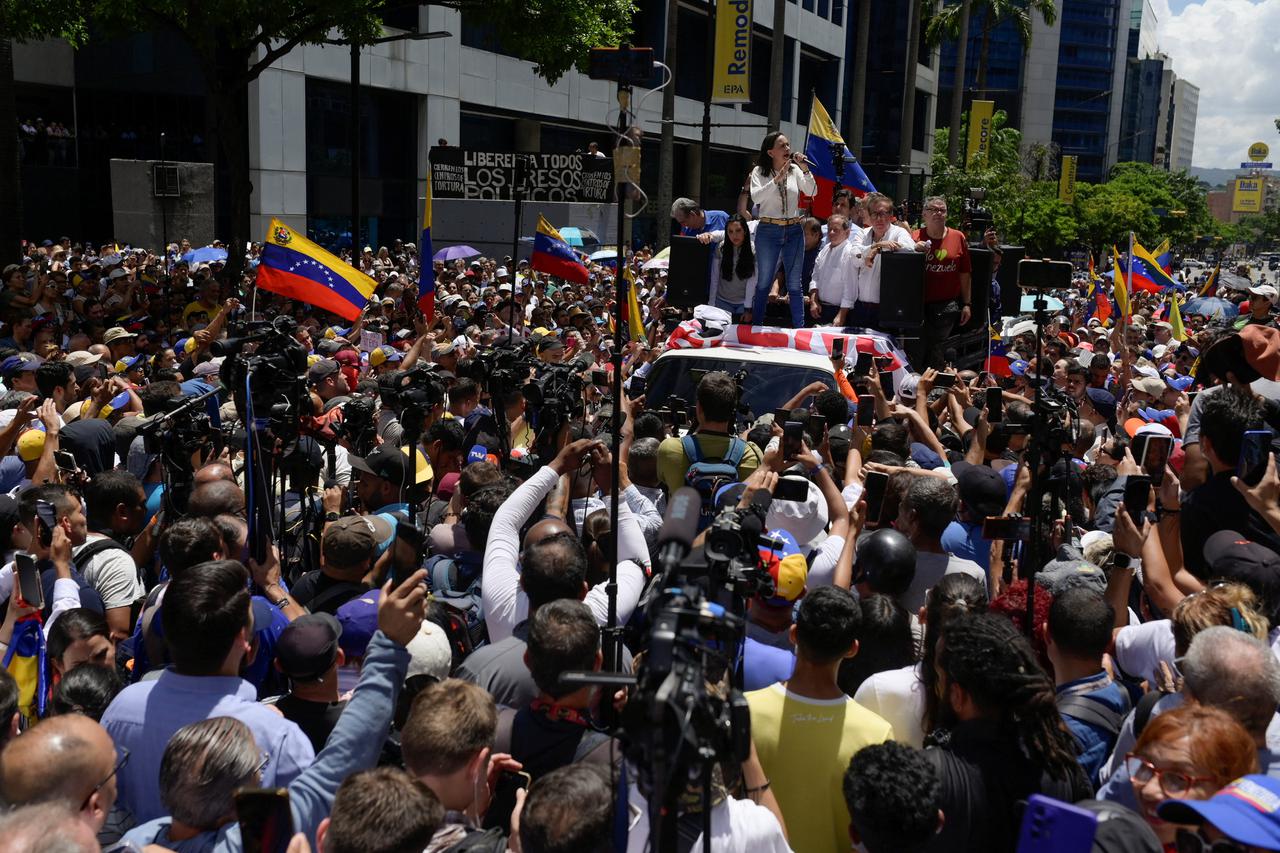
(632, 315)
(426, 264)
(822, 136)
(1148, 274)
(293, 266)
(1118, 286)
(1211, 286)
(551, 254)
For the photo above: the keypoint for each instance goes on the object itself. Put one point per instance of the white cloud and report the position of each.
(1231, 50)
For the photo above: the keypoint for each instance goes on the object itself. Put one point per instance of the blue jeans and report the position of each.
(735, 310)
(779, 245)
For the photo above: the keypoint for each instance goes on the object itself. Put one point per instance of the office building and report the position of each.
(1185, 100)
(119, 96)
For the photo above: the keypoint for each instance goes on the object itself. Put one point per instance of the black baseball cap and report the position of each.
(1234, 557)
(308, 646)
(981, 488)
(387, 462)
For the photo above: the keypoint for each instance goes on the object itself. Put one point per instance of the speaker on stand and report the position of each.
(689, 273)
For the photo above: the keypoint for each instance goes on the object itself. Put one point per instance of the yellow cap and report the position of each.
(422, 467)
(31, 445)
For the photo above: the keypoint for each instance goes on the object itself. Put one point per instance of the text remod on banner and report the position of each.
(731, 82)
(980, 113)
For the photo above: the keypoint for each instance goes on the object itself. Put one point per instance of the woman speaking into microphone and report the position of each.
(777, 181)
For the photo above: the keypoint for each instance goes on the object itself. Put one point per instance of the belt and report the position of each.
(794, 220)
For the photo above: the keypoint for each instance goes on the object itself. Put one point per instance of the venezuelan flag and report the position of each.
(294, 267)
(1121, 292)
(1148, 275)
(631, 311)
(822, 136)
(1164, 257)
(1211, 286)
(1175, 320)
(552, 255)
(997, 363)
(426, 266)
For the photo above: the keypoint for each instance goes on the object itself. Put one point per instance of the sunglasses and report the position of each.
(121, 761)
(1191, 841)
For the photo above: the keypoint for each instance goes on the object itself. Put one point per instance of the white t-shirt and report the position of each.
(112, 573)
(1140, 648)
(897, 695)
(737, 826)
(822, 568)
(929, 570)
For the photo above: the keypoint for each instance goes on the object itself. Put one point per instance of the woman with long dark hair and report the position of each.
(733, 270)
(777, 182)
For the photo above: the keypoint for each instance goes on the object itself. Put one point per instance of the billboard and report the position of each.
(980, 113)
(491, 175)
(731, 80)
(1067, 179)
(1247, 197)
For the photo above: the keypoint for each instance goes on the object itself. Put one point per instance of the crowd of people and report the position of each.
(378, 628)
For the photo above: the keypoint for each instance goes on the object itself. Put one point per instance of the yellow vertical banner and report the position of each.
(1247, 197)
(980, 113)
(1067, 179)
(731, 80)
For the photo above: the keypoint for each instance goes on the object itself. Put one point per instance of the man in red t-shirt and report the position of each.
(947, 284)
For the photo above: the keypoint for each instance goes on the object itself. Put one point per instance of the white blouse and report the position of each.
(780, 201)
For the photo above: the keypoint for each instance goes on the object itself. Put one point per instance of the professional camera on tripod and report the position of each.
(267, 383)
(555, 397)
(412, 394)
(184, 433)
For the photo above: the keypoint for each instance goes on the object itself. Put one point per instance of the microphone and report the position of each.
(679, 527)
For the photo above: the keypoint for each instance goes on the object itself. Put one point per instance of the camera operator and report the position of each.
(505, 602)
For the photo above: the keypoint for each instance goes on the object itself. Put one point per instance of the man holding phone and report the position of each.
(1225, 417)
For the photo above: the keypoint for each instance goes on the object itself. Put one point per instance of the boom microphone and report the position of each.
(679, 528)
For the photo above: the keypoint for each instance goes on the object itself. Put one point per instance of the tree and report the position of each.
(234, 41)
(22, 21)
(1106, 213)
(951, 23)
(1178, 204)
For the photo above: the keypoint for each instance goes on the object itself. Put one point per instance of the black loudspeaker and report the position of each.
(689, 273)
(1010, 292)
(980, 261)
(902, 290)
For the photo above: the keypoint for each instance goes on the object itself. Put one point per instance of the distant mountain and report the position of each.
(1214, 177)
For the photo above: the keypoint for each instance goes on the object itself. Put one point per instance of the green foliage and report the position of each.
(1261, 231)
(32, 20)
(944, 24)
(557, 35)
(1022, 196)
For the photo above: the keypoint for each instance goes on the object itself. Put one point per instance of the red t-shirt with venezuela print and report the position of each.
(945, 261)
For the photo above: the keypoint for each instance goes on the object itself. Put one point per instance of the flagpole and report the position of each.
(1128, 284)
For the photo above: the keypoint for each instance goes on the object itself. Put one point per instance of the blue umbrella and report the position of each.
(576, 236)
(1029, 303)
(206, 255)
(1213, 307)
(608, 254)
(452, 253)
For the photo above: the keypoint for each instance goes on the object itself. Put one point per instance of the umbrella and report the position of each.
(1213, 307)
(575, 236)
(206, 255)
(659, 261)
(452, 253)
(606, 254)
(1231, 281)
(1029, 303)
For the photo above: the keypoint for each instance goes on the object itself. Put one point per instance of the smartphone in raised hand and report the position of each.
(266, 819)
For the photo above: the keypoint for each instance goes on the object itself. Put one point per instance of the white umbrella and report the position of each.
(660, 261)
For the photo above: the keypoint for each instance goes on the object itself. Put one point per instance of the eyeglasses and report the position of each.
(882, 214)
(120, 763)
(1191, 841)
(935, 210)
(262, 765)
(1172, 782)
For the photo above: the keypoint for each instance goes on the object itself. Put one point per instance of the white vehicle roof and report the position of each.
(755, 355)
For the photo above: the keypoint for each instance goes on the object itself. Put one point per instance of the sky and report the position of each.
(1231, 50)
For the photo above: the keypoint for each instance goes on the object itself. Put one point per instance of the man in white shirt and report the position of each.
(882, 236)
(834, 286)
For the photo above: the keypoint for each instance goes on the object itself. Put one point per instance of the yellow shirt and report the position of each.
(805, 746)
(198, 307)
(673, 464)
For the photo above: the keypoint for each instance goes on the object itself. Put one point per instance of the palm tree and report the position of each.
(951, 22)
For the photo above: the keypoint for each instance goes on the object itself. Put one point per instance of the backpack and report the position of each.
(454, 581)
(1093, 713)
(708, 476)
